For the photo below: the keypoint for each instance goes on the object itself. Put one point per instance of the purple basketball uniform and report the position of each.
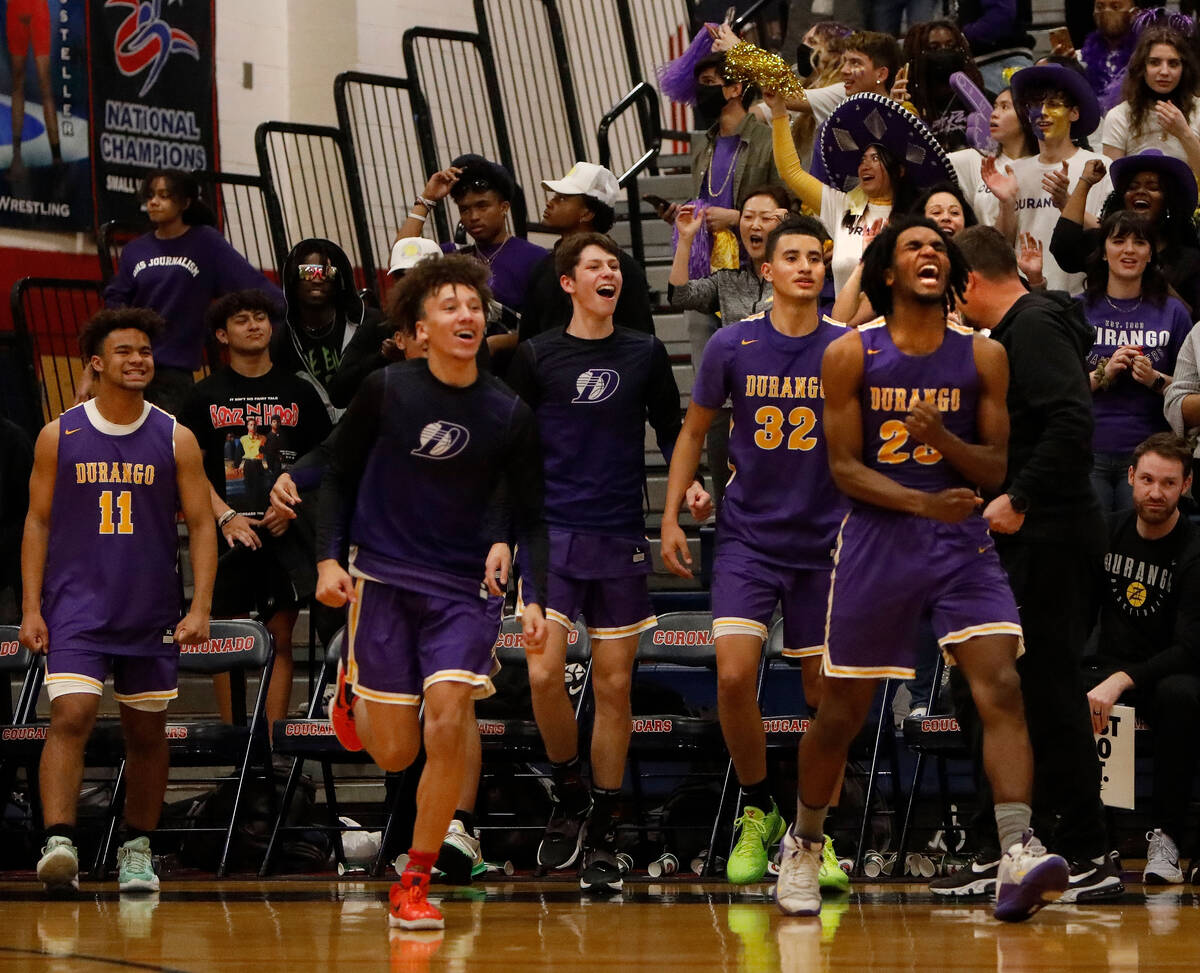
(592, 399)
(779, 519)
(891, 568)
(112, 591)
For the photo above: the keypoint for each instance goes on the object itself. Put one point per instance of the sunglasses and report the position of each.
(316, 272)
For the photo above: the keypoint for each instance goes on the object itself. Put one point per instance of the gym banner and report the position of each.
(153, 94)
(45, 175)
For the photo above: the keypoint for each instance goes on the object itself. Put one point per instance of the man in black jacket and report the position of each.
(1148, 657)
(1049, 532)
(583, 202)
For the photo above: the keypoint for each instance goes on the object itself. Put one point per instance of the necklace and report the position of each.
(1124, 310)
(484, 258)
(728, 173)
(316, 334)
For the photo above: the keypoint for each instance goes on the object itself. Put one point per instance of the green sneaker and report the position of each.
(748, 860)
(135, 868)
(831, 876)
(58, 868)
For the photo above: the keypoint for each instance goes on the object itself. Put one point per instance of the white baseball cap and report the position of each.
(587, 179)
(407, 252)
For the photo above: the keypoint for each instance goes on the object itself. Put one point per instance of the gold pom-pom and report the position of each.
(770, 72)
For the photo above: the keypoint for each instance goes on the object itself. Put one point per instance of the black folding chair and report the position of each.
(21, 670)
(311, 738)
(940, 737)
(508, 733)
(238, 647)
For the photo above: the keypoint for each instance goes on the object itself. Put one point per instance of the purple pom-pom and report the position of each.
(677, 80)
(700, 258)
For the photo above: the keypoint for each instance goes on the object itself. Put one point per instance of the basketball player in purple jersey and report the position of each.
(779, 519)
(102, 591)
(915, 419)
(412, 490)
(593, 386)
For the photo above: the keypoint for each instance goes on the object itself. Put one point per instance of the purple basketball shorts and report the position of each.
(745, 592)
(890, 569)
(402, 642)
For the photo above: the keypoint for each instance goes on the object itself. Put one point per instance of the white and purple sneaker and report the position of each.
(1029, 878)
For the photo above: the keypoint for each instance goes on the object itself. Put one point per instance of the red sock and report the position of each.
(420, 861)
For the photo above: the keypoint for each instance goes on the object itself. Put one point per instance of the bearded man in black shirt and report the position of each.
(1148, 589)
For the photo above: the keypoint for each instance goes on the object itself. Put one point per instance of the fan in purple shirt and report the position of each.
(1139, 331)
(177, 269)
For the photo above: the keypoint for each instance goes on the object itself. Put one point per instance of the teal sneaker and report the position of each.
(135, 868)
(832, 877)
(760, 831)
(58, 868)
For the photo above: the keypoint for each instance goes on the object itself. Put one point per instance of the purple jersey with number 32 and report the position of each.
(111, 568)
(780, 503)
(892, 380)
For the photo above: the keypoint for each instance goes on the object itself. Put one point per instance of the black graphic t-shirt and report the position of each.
(1150, 600)
(253, 429)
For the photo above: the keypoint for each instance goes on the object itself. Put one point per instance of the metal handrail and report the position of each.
(743, 18)
(645, 98)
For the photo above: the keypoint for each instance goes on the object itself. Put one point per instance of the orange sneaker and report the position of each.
(409, 907)
(341, 713)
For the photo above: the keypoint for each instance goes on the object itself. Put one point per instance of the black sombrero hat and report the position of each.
(872, 119)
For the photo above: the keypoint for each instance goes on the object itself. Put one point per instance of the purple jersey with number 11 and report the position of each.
(781, 505)
(892, 380)
(111, 576)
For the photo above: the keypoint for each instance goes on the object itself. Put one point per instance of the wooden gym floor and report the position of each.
(335, 926)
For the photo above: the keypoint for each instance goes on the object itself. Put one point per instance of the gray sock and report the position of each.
(1012, 821)
(810, 821)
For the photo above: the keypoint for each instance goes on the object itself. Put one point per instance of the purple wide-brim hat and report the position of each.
(868, 119)
(1154, 160)
(1065, 79)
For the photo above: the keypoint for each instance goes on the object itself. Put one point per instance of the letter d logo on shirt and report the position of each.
(596, 385)
(441, 440)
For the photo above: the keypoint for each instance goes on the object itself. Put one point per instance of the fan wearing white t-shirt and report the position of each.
(1031, 191)
(1159, 108)
(1012, 143)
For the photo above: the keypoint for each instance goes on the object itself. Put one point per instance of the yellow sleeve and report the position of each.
(806, 186)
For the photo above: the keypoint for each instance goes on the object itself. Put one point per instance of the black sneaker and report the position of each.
(1093, 881)
(599, 871)
(563, 837)
(976, 878)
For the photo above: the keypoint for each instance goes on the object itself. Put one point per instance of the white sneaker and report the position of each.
(1029, 877)
(798, 891)
(1162, 860)
(58, 868)
(460, 855)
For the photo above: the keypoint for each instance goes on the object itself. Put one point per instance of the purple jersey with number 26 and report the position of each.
(111, 573)
(892, 380)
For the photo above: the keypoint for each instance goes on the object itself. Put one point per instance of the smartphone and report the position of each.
(660, 205)
(1061, 37)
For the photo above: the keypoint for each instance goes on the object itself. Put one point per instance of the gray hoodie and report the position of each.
(735, 293)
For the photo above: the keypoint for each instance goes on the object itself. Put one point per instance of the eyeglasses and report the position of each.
(316, 273)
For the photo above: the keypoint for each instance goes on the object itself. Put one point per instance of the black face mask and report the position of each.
(710, 99)
(804, 61)
(939, 65)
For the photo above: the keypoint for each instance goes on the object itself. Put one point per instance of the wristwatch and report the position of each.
(1159, 383)
(1019, 503)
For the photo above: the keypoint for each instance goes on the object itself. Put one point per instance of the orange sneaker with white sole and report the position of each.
(341, 713)
(410, 909)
